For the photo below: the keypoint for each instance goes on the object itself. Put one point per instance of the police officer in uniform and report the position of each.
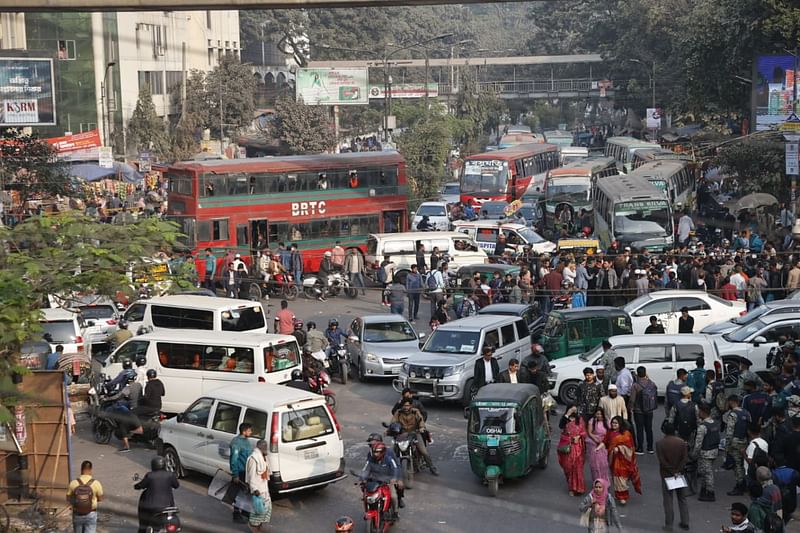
(706, 447)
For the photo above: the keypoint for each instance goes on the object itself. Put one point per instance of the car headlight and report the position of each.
(406, 366)
(450, 370)
(372, 357)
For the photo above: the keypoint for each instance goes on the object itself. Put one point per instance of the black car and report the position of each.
(530, 312)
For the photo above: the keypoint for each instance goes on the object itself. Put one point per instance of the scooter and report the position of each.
(379, 512)
(337, 283)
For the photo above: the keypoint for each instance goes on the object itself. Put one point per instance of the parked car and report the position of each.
(437, 213)
(757, 338)
(529, 312)
(63, 327)
(306, 449)
(777, 307)
(450, 193)
(661, 355)
(666, 306)
(378, 345)
(101, 317)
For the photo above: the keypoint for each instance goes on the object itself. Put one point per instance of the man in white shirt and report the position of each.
(510, 375)
(754, 433)
(613, 404)
(487, 369)
(437, 293)
(237, 260)
(685, 225)
(740, 282)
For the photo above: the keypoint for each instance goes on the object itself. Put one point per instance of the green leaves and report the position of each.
(28, 166)
(301, 128)
(757, 164)
(146, 130)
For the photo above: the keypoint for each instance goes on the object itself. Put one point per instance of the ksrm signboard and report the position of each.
(26, 92)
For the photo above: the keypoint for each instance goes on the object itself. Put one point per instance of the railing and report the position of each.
(528, 86)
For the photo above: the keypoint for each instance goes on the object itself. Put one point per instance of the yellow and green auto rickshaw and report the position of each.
(507, 432)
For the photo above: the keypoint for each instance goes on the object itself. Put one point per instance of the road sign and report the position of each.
(792, 161)
(144, 162)
(105, 157)
(791, 124)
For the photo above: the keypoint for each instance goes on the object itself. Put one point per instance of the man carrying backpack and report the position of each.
(715, 395)
(467, 306)
(673, 392)
(697, 380)
(644, 399)
(736, 422)
(706, 447)
(83, 494)
(683, 416)
(436, 283)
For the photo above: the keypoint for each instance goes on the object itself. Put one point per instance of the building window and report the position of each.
(152, 78)
(210, 57)
(208, 19)
(66, 50)
(174, 80)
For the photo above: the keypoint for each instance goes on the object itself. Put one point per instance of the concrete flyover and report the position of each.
(538, 89)
(463, 61)
(21, 6)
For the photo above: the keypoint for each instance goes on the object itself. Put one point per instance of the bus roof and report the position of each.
(514, 152)
(630, 142)
(657, 153)
(583, 168)
(318, 162)
(660, 168)
(629, 188)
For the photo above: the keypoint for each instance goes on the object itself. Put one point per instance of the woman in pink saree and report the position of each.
(622, 460)
(596, 431)
(571, 450)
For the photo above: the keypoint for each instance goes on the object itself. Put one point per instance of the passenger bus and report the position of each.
(672, 176)
(648, 155)
(558, 137)
(622, 149)
(570, 187)
(248, 204)
(506, 174)
(630, 210)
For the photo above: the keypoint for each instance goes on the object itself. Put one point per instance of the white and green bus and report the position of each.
(674, 177)
(630, 210)
(570, 187)
(622, 149)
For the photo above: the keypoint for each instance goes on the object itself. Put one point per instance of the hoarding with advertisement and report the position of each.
(324, 86)
(773, 90)
(404, 90)
(27, 92)
(653, 118)
(78, 141)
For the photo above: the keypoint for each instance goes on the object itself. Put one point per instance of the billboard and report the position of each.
(78, 141)
(27, 92)
(404, 90)
(773, 90)
(325, 86)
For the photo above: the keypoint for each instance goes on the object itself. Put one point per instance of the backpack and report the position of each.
(82, 497)
(718, 398)
(773, 523)
(759, 455)
(742, 421)
(685, 419)
(431, 281)
(673, 394)
(697, 381)
(648, 398)
(381, 275)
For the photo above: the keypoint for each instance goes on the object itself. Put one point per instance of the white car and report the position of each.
(777, 307)
(661, 355)
(437, 215)
(757, 338)
(706, 309)
(450, 193)
(65, 328)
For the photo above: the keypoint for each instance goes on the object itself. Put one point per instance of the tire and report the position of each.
(102, 431)
(254, 292)
(173, 462)
(494, 486)
(344, 370)
(291, 292)
(310, 293)
(351, 292)
(371, 527)
(361, 372)
(330, 399)
(466, 399)
(408, 473)
(568, 393)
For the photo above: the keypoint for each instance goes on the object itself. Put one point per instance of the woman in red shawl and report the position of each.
(571, 450)
(622, 460)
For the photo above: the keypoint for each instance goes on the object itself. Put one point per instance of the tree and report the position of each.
(301, 128)
(480, 110)
(146, 130)
(64, 255)
(232, 86)
(29, 166)
(757, 164)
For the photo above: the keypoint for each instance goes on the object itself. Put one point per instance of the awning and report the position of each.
(94, 172)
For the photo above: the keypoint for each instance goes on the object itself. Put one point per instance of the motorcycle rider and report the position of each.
(298, 382)
(335, 335)
(157, 485)
(408, 393)
(127, 403)
(298, 333)
(316, 340)
(122, 378)
(141, 371)
(383, 467)
(121, 335)
(150, 406)
(413, 423)
(326, 268)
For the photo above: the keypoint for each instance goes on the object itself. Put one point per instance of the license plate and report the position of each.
(396, 370)
(310, 454)
(492, 441)
(326, 363)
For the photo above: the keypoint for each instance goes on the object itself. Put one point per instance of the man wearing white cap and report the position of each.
(613, 404)
(684, 415)
(642, 283)
(237, 260)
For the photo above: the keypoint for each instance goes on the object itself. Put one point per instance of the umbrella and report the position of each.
(94, 172)
(755, 200)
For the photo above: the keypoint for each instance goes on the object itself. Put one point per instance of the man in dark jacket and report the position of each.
(153, 392)
(158, 485)
(487, 370)
(673, 454)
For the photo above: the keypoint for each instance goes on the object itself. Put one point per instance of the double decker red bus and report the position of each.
(508, 173)
(313, 201)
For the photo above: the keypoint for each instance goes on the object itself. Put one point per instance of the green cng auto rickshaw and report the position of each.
(507, 432)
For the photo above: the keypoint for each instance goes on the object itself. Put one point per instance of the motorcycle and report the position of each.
(339, 362)
(379, 511)
(167, 520)
(283, 287)
(337, 283)
(319, 384)
(405, 448)
(107, 419)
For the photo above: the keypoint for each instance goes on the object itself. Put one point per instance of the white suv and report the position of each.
(437, 215)
(65, 328)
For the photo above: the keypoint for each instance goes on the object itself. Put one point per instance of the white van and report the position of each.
(402, 248)
(305, 441)
(195, 312)
(192, 363)
(485, 233)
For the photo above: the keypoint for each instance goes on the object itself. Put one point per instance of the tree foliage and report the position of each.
(232, 86)
(301, 128)
(480, 112)
(28, 165)
(146, 130)
(758, 165)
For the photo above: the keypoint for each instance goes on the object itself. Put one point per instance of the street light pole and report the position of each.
(104, 98)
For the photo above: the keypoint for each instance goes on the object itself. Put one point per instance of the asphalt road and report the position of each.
(453, 502)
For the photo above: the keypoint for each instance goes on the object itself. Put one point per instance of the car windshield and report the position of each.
(452, 188)
(493, 420)
(61, 331)
(494, 210)
(389, 332)
(752, 315)
(529, 212)
(635, 304)
(453, 342)
(432, 211)
(570, 190)
(243, 319)
(531, 236)
(488, 176)
(743, 333)
(94, 312)
(648, 218)
(591, 355)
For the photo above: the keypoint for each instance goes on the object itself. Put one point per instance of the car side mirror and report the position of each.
(759, 340)
(179, 418)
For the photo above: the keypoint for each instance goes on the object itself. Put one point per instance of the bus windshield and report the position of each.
(485, 176)
(648, 217)
(571, 191)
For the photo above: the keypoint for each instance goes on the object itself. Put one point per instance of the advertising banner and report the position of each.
(792, 162)
(773, 90)
(653, 118)
(324, 86)
(106, 157)
(79, 141)
(405, 90)
(26, 92)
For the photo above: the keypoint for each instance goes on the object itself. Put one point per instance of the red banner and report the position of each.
(80, 141)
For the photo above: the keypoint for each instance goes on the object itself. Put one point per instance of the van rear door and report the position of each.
(310, 443)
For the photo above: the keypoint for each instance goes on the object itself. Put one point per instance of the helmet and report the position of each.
(141, 360)
(298, 324)
(127, 364)
(130, 375)
(379, 450)
(311, 324)
(374, 438)
(394, 429)
(151, 374)
(345, 523)
(123, 324)
(157, 463)
(332, 323)
(297, 375)
(328, 254)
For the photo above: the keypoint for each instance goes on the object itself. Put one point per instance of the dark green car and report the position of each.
(575, 331)
(507, 432)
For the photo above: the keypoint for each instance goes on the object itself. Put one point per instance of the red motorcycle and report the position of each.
(319, 383)
(379, 512)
